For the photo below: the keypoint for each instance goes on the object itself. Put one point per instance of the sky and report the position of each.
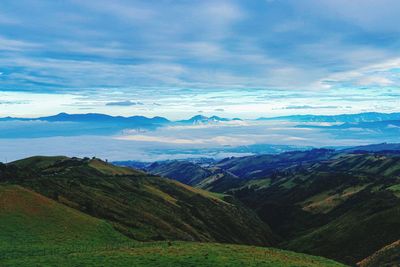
(231, 58)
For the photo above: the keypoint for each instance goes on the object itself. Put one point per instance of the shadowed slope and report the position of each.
(387, 256)
(38, 231)
(142, 207)
(344, 208)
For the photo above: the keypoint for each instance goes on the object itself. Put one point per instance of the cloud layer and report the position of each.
(106, 53)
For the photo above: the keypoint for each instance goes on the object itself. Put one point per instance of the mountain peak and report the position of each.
(201, 119)
(198, 117)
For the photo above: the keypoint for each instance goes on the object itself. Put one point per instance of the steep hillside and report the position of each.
(231, 173)
(30, 219)
(140, 206)
(326, 208)
(208, 178)
(38, 231)
(387, 256)
(262, 165)
(183, 171)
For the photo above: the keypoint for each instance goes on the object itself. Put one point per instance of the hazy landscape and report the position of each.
(150, 139)
(203, 133)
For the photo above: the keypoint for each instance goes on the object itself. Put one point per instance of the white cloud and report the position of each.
(380, 74)
(7, 44)
(371, 15)
(159, 139)
(183, 51)
(119, 9)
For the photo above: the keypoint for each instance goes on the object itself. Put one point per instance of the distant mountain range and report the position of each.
(360, 127)
(200, 119)
(383, 147)
(342, 118)
(120, 121)
(64, 124)
(95, 118)
(103, 118)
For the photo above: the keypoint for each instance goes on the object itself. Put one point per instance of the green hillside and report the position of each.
(142, 207)
(176, 254)
(208, 178)
(259, 166)
(233, 173)
(182, 171)
(326, 208)
(38, 231)
(323, 207)
(38, 162)
(28, 219)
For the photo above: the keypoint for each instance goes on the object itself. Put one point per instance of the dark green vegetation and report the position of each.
(176, 254)
(185, 172)
(339, 205)
(208, 178)
(234, 172)
(262, 165)
(94, 213)
(140, 206)
(386, 257)
(342, 205)
(344, 208)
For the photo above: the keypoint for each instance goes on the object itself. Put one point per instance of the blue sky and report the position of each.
(180, 58)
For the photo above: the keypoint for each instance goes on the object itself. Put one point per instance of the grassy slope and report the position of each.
(212, 179)
(370, 208)
(388, 256)
(37, 231)
(327, 208)
(178, 254)
(182, 171)
(146, 208)
(260, 166)
(38, 162)
(352, 236)
(30, 219)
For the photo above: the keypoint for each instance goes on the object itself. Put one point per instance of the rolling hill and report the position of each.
(31, 219)
(36, 230)
(262, 165)
(139, 205)
(327, 208)
(183, 171)
(234, 172)
(383, 147)
(210, 178)
(320, 202)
